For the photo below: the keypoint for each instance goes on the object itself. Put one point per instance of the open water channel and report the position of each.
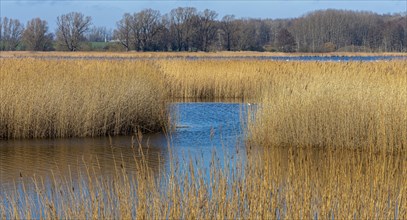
(200, 129)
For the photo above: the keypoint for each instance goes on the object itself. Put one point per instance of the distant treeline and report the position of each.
(187, 29)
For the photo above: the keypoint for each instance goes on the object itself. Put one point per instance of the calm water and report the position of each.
(308, 58)
(280, 58)
(201, 128)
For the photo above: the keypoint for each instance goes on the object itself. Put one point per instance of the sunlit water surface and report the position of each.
(201, 129)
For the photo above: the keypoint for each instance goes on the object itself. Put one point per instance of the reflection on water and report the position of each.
(200, 128)
(21, 159)
(207, 125)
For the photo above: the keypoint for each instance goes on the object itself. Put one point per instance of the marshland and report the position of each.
(202, 138)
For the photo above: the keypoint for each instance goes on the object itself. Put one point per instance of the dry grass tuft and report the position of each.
(55, 98)
(247, 79)
(336, 105)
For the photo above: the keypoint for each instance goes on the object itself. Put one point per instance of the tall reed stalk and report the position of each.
(358, 106)
(279, 183)
(64, 98)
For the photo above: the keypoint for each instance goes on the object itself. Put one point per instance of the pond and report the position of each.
(200, 129)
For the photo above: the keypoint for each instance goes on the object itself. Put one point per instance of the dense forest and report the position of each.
(187, 29)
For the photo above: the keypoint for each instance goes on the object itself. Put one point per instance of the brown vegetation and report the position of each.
(79, 98)
(305, 103)
(351, 105)
(329, 141)
(280, 183)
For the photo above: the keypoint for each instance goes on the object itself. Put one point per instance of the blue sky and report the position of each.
(107, 13)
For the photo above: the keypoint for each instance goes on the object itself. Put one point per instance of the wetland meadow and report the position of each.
(228, 135)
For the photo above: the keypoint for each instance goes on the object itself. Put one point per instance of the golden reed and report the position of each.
(329, 140)
(351, 105)
(279, 183)
(64, 98)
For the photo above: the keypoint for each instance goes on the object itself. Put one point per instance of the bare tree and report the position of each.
(71, 29)
(98, 34)
(163, 40)
(394, 35)
(249, 36)
(182, 26)
(346, 31)
(186, 29)
(285, 41)
(135, 32)
(206, 30)
(36, 36)
(229, 28)
(1, 31)
(148, 24)
(10, 33)
(123, 30)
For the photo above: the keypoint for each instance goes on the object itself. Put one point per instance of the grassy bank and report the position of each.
(62, 98)
(335, 105)
(290, 183)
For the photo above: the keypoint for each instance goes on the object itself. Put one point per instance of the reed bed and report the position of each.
(50, 98)
(359, 106)
(354, 105)
(247, 79)
(281, 183)
(329, 139)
